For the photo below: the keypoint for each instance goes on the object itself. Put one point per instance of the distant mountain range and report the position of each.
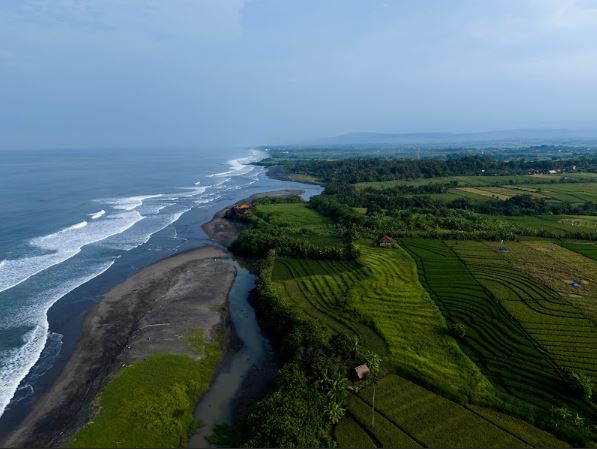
(531, 136)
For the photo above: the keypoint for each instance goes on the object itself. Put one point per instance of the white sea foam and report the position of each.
(130, 202)
(22, 359)
(141, 233)
(131, 222)
(98, 214)
(192, 191)
(61, 246)
(240, 166)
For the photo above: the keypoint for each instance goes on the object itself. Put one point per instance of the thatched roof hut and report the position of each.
(360, 372)
(385, 240)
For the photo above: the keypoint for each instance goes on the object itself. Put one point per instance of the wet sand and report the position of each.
(148, 312)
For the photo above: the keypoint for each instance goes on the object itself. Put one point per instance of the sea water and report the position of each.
(74, 223)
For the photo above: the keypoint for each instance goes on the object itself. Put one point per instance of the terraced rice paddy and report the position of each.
(587, 249)
(564, 332)
(320, 289)
(411, 323)
(387, 292)
(409, 415)
(558, 268)
(499, 345)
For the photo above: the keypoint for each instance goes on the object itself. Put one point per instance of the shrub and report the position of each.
(580, 384)
(458, 330)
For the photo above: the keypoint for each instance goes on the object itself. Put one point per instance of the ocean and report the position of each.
(74, 223)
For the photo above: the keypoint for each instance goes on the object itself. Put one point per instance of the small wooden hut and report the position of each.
(385, 240)
(240, 209)
(360, 372)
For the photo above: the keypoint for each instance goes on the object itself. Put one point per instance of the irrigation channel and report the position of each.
(249, 371)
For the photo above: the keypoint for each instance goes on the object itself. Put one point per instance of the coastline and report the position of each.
(276, 172)
(153, 305)
(224, 231)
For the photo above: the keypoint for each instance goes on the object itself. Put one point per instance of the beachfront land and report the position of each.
(476, 319)
(401, 318)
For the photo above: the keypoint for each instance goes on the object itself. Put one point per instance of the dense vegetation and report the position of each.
(151, 403)
(310, 386)
(366, 169)
(480, 311)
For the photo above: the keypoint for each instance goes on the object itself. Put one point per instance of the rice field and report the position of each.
(568, 336)
(463, 181)
(587, 249)
(385, 290)
(498, 194)
(349, 433)
(557, 224)
(557, 268)
(320, 288)
(419, 418)
(573, 193)
(497, 342)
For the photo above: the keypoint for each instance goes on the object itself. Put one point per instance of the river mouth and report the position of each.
(248, 373)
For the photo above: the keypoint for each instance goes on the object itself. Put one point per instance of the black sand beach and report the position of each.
(146, 313)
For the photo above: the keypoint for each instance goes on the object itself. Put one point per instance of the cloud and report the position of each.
(566, 14)
(519, 22)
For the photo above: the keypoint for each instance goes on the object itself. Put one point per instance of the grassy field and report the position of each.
(151, 403)
(416, 417)
(499, 345)
(568, 336)
(385, 290)
(300, 220)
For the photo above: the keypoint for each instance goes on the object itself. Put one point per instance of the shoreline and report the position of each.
(223, 231)
(116, 330)
(276, 172)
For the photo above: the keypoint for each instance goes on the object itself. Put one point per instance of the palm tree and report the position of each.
(334, 387)
(374, 362)
(334, 412)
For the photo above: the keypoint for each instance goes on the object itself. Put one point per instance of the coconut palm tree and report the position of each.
(334, 412)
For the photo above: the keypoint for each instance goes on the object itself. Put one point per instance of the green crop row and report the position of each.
(433, 421)
(565, 333)
(506, 354)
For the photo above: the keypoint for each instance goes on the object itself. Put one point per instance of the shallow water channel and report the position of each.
(218, 404)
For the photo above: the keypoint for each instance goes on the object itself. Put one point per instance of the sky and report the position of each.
(159, 73)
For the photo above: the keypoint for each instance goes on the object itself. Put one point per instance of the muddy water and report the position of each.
(221, 400)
